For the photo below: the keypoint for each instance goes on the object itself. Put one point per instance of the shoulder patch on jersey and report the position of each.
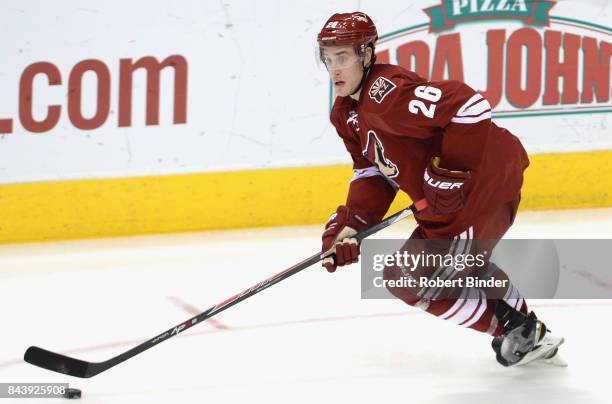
(380, 88)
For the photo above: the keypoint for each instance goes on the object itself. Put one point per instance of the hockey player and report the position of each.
(435, 141)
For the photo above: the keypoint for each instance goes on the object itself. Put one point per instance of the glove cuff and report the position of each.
(435, 168)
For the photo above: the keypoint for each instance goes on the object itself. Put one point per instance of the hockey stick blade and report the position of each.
(80, 368)
(57, 362)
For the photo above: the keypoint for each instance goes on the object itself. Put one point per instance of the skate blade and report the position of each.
(555, 360)
(548, 344)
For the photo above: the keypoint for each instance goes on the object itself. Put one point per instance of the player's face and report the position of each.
(345, 68)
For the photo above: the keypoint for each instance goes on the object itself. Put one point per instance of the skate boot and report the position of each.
(525, 339)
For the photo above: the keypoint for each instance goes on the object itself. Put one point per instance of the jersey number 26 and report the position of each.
(431, 94)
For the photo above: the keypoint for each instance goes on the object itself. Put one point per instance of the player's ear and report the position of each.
(368, 56)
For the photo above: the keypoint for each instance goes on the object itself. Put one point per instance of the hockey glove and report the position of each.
(339, 232)
(445, 190)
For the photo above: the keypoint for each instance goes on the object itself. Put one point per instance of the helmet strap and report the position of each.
(365, 71)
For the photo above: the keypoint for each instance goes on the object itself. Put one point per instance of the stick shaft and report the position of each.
(79, 368)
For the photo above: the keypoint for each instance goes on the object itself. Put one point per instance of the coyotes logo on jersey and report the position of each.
(375, 152)
(380, 88)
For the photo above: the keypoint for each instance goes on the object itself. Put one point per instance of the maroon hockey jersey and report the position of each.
(401, 121)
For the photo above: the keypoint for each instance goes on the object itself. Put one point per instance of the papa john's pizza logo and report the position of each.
(526, 62)
(380, 88)
(375, 152)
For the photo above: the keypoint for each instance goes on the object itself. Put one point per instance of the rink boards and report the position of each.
(270, 197)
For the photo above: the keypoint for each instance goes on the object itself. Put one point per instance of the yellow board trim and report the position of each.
(275, 197)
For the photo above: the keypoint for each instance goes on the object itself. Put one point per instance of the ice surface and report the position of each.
(309, 338)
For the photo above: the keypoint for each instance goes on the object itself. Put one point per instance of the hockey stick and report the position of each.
(80, 368)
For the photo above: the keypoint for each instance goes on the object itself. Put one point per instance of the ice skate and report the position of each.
(525, 340)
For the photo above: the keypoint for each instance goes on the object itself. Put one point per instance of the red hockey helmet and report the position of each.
(348, 29)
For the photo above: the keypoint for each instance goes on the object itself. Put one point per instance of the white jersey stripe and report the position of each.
(359, 173)
(455, 307)
(468, 309)
(462, 248)
(472, 100)
(426, 292)
(480, 311)
(512, 296)
(484, 116)
(509, 292)
(476, 109)
(365, 173)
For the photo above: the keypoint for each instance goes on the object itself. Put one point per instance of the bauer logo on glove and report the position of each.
(445, 190)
